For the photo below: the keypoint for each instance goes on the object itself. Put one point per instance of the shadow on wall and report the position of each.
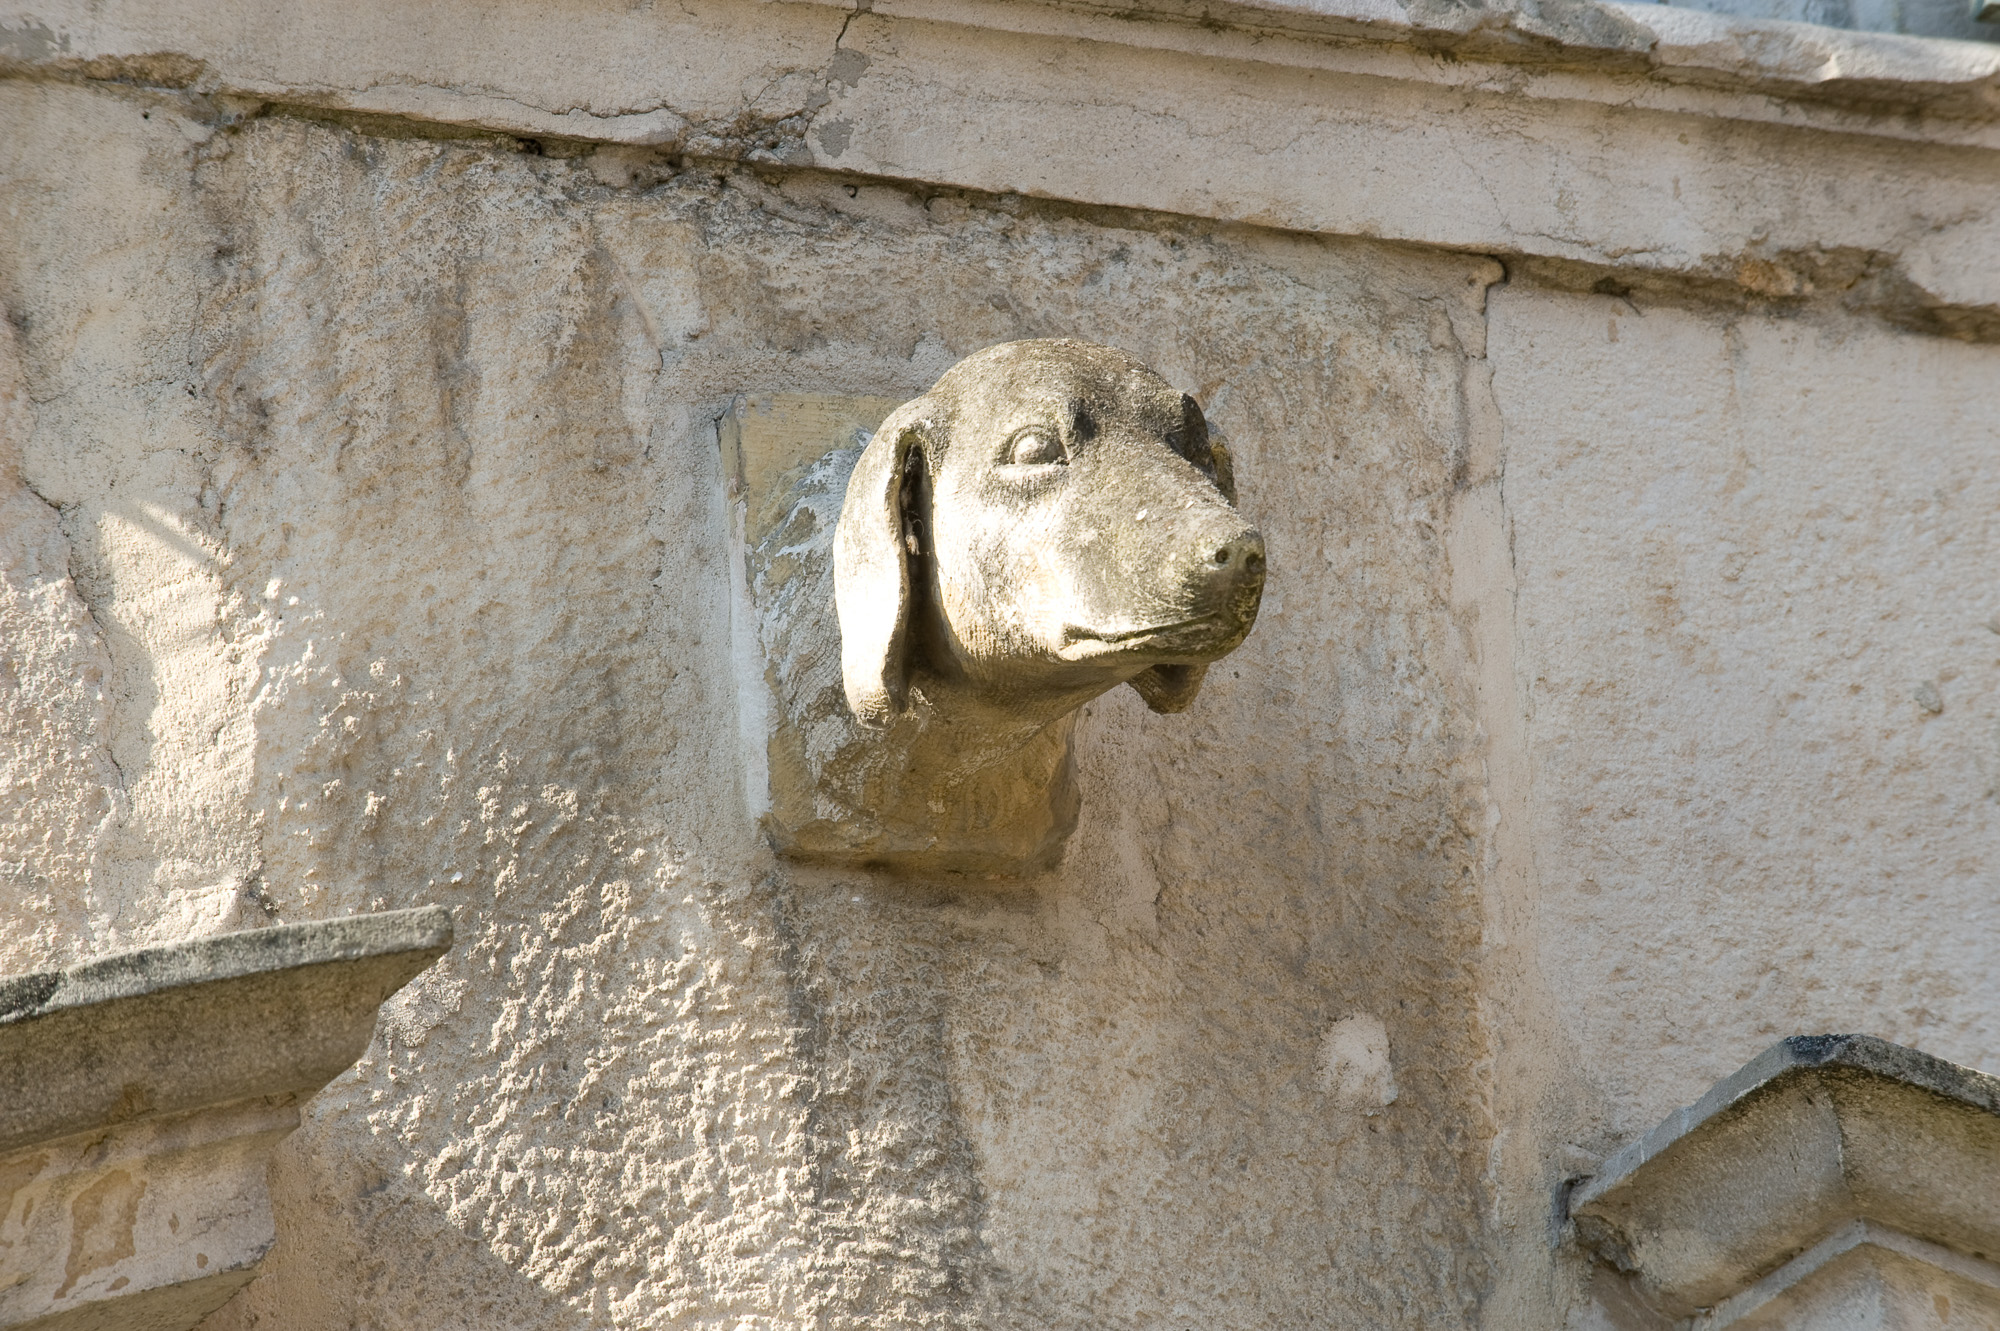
(358, 1233)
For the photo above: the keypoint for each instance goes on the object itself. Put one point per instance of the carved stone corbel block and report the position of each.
(929, 590)
(141, 1096)
(1833, 1181)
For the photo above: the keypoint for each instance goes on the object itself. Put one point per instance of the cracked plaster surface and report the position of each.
(60, 788)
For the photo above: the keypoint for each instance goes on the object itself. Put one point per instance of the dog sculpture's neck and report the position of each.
(962, 783)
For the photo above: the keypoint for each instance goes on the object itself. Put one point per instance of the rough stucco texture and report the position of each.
(58, 788)
(1759, 646)
(378, 556)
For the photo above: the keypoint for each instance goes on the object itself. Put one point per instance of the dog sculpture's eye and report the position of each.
(1035, 448)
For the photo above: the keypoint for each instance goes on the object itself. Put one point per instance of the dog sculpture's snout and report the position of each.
(1233, 568)
(1242, 557)
(1234, 581)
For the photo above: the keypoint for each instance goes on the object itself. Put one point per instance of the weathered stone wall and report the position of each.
(1759, 652)
(1625, 693)
(444, 489)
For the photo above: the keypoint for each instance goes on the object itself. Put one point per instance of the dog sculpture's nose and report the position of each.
(1234, 580)
(1243, 556)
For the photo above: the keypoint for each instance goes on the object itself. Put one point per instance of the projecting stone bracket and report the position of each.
(1834, 1180)
(141, 1096)
(823, 787)
(930, 593)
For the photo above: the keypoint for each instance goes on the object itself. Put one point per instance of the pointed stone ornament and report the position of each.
(1834, 1180)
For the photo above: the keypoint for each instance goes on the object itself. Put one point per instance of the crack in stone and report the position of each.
(85, 597)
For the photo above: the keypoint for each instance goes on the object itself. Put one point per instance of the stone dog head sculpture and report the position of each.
(1049, 521)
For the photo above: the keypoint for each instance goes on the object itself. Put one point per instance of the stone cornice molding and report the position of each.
(1676, 48)
(1818, 1145)
(1672, 47)
(163, 1030)
(141, 1096)
(1636, 146)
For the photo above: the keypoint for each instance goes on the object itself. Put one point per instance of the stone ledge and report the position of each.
(141, 1095)
(1672, 153)
(110, 1038)
(1769, 58)
(1815, 1134)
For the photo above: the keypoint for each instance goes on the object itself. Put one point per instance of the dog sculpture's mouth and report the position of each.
(1083, 644)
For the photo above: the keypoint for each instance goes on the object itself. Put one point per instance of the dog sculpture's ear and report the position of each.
(871, 568)
(1169, 688)
(1209, 454)
(1172, 688)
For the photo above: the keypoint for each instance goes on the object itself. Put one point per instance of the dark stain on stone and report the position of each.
(102, 1219)
(847, 67)
(834, 136)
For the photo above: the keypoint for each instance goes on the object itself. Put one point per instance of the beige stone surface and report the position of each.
(454, 418)
(1775, 161)
(144, 739)
(1748, 555)
(1754, 555)
(59, 787)
(1623, 697)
